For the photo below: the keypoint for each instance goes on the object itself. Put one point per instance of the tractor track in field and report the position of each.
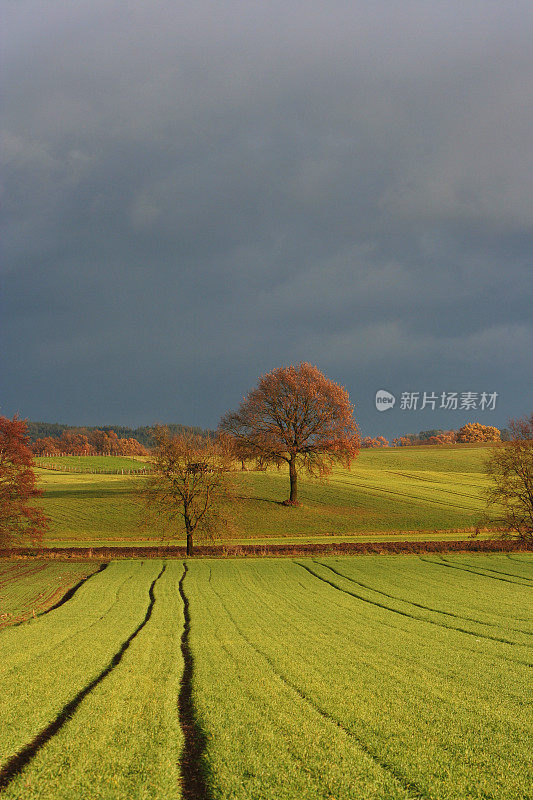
(403, 495)
(406, 613)
(520, 560)
(498, 572)
(68, 595)
(16, 763)
(414, 791)
(61, 642)
(497, 656)
(444, 563)
(193, 779)
(417, 605)
(72, 591)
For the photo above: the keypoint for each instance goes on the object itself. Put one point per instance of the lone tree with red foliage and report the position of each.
(298, 416)
(17, 485)
(510, 469)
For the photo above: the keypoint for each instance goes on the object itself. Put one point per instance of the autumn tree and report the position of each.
(443, 437)
(476, 432)
(401, 441)
(84, 442)
(375, 441)
(297, 416)
(17, 485)
(510, 470)
(188, 482)
(48, 445)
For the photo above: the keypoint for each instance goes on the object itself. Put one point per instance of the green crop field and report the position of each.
(91, 463)
(28, 589)
(425, 492)
(375, 677)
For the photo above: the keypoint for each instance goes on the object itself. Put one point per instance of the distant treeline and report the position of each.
(142, 434)
(471, 433)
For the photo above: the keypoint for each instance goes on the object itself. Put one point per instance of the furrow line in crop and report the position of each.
(417, 605)
(529, 562)
(72, 591)
(69, 594)
(400, 599)
(499, 572)
(16, 763)
(412, 789)
(406, 613)
(444, 563)
(76, 632)
(404, 495)
(434, 480)
(194, 784)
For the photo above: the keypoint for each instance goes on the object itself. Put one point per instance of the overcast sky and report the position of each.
(195, 193)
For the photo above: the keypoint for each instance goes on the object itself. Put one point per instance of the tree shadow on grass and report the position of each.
(82, 493)
(261, 500)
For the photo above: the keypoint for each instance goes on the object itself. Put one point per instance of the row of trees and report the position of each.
(142, 433)
(84, 442)
(471, 432)
(374, 441)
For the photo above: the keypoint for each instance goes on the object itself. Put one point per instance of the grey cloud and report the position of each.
(194, 194)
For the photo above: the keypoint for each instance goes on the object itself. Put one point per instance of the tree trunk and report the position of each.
(190, 530)
(294, 481)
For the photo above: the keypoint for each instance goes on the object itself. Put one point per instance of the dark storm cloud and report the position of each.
(195, 193)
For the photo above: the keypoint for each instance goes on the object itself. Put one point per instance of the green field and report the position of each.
(27, 589)
(426, 492)
(374, 677)
(91, 463)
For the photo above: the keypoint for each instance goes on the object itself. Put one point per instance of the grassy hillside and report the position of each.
(387, 492)
(92, 463)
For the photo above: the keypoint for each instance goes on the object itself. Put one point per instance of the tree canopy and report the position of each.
(297, 416)
(476, 432)
(18, 485)
(510, 469)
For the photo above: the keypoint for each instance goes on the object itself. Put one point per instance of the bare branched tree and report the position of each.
(510, 469)
(189, 482)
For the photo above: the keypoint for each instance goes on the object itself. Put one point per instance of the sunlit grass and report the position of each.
(379, 677)
(404, 678)
(405, 491)
(124, 739)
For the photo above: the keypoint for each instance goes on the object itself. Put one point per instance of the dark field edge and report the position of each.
(16, 763)
(246, 550)
(192, 768)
